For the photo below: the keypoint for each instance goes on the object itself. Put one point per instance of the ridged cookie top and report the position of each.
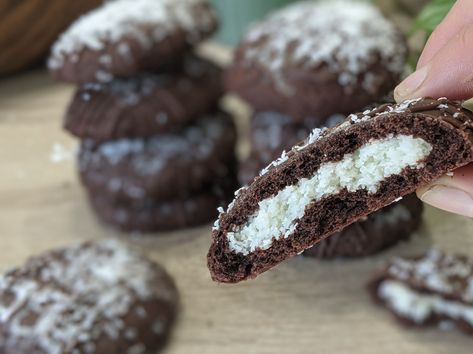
(347, 36)
(74, 296)
(146, 21)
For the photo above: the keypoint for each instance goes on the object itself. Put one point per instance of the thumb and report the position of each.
(452, 193)
(449, 73)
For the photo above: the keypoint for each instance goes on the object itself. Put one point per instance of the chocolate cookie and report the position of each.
(125, 37)
(315, 59)
(336, 177)
(270, 134)
(148, 215)
(432, 290)
(145, 105)
(378, 231)
(164, 166)
(95, 298)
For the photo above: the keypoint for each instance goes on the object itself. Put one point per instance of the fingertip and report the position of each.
(447, 198)
(412, 85)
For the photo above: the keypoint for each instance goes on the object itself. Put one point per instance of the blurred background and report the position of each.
(28, 27)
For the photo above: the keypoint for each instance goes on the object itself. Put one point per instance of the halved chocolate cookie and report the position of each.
(164, 166)
(378, 231)
(435, 289)
(95, 298)
(314, 59)
(336, 177)
(124, 37)
(145, 105)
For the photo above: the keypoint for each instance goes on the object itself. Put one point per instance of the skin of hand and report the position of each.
(445, 69)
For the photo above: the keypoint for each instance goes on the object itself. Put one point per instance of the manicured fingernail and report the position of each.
(449, 199)
(411, 84)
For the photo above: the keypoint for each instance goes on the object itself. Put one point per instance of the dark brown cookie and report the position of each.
(147, 215)
(95, 298)
(164, 166)
(378, 231)
(336, 177)
(145, 105)
(270, 134)
(315, 59)
(125, 37)
(434, 289)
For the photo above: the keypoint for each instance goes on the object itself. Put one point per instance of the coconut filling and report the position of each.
(277, 216)
(417, 307)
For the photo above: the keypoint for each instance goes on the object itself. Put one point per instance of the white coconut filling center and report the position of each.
(418, 307)
(278, 216)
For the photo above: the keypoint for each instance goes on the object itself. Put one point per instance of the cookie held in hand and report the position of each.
(380, 230)
(336, 177)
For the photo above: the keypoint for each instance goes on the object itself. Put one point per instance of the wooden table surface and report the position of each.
(302, 306)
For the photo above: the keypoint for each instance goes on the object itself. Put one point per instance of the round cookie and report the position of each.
(124, 37)
(378, 231)
(164, 166)
(147, 215)
(315, 59)
(145, 105)
(94, 298)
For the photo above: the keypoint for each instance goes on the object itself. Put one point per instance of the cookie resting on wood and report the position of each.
(336, 177)
(94, 298)
(435, 289)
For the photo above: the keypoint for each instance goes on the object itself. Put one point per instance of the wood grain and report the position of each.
(28, 28)
(302, 306)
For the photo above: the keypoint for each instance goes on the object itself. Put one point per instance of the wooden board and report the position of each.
(302, 306)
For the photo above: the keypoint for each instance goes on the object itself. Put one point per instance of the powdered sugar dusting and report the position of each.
(347, 36)
(146, 21)
(75, 296)
(446, 274)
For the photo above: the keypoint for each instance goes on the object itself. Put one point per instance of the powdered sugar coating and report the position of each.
(346, 36)
(146, 21)
(448, 275)
(65, 300)
(164, 165)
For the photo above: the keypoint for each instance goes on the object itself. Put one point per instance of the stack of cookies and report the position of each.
(157, 153)
(308, 66)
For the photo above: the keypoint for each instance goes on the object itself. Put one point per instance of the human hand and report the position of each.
(445, 69)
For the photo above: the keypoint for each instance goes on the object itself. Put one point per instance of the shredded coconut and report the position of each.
(146, 21)
(347, 36)
(75, 296)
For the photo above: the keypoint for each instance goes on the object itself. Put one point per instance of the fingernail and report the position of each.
(411, 84)
(449, 199)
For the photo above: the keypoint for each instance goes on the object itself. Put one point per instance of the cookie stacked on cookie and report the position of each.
(308, 66)
(157, 153)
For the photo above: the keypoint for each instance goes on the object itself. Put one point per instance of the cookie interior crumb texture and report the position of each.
(93, 298)
(364, 169)
(335, 177)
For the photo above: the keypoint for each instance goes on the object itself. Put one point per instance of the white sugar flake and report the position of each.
(346, 36)
(145, 21)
